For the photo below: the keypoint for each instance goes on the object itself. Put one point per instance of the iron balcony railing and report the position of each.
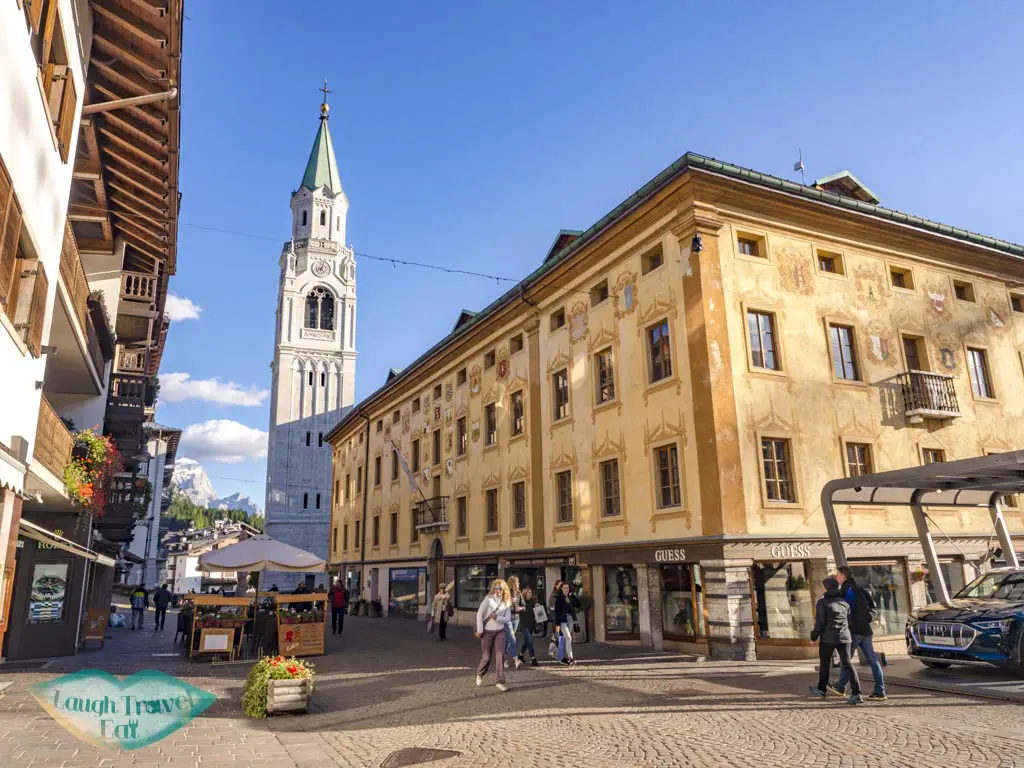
(431, 514)
(929, 395)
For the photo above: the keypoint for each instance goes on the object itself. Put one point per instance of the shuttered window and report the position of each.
(34, 9)
(36, 312)
(66, 116)
(10, 233)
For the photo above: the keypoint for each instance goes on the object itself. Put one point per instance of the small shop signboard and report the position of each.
(95, 629)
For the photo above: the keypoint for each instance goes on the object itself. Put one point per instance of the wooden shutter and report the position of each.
(10, 233)
(35, 13)
(66, 123)
(48, 27)
(37, 312)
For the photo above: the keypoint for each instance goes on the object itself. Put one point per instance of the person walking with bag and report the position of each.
(555, 646)
(494, 613)
(530, 619)
(440, 611)
(565, 618)
(513, 626)
(832, 631)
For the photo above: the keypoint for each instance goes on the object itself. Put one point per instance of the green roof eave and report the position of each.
(322, 167)
(689, 161)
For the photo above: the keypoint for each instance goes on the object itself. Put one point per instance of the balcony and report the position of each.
(431, 514)
(78, 330)
(928, 396)
(131, 359)
(54, 442)
(138, 288)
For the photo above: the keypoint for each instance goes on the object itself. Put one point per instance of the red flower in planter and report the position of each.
(292, 669)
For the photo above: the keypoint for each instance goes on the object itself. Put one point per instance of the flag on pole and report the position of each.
(413, 487)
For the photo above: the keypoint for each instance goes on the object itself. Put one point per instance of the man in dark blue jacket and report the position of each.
(862, 605)
(832, 631)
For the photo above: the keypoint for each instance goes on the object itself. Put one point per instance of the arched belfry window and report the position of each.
(303, 218)
(320, 310)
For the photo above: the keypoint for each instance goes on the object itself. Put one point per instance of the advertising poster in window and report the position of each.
(48, 592)
(406, 585)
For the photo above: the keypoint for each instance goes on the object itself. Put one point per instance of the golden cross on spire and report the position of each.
(324, 109)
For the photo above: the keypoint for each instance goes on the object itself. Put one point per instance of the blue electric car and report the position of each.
(984, 624)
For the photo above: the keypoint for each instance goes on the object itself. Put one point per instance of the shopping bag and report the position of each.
(539, 614)
(431, 624)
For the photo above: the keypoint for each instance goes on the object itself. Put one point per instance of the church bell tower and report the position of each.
(313, 373)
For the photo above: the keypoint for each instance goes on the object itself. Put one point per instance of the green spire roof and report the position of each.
(322, 168)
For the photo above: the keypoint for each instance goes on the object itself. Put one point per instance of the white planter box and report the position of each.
(287, 695)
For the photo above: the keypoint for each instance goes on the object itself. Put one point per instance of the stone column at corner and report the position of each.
(730, 611)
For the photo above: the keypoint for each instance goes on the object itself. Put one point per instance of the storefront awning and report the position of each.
(32, 531)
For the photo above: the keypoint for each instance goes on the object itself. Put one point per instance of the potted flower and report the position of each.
(376, 608)
(364, 607)
(277, 684)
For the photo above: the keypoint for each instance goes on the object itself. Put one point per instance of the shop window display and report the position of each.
(682, 601)
(782, 594)
(472, 583)
(952, 574)
(888, 586)
(408, 591)
(620, 597)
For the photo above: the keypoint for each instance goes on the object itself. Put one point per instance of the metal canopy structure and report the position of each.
(977, 482)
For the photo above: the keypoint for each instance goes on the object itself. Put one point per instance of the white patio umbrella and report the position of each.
(261, 553)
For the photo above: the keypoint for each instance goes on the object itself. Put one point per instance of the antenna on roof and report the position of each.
(799, 166)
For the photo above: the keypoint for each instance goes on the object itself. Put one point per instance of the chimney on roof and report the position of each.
(846, 184)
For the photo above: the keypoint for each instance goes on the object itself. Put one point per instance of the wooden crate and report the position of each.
(287, 695)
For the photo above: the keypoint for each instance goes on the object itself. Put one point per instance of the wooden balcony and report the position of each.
(131, 359)
(138, 293)
(73, 274)
(431, 514)
(928, 396)
(54, 442)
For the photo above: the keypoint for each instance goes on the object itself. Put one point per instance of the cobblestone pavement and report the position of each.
(387, 685)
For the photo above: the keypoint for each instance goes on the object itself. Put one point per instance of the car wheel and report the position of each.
(936, 664)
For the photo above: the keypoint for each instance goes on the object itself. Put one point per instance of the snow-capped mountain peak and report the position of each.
(238, 501)
(191, 479)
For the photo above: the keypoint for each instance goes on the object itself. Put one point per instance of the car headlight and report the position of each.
(1003, 625)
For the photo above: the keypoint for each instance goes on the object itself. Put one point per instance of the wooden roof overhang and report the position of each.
(125, 181)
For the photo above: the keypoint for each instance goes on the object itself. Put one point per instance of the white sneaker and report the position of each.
(519, 663)
(501, 687)
(479, 680)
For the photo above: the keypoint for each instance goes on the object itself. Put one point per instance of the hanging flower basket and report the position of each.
(94, 460)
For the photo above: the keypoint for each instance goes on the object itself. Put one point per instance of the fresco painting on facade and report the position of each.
(644, 464)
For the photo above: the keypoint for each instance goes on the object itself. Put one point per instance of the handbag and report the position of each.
(431, 624)
(576, 627)
(450, 610)
(539, 614)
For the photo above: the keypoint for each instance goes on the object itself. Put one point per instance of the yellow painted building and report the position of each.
(653, 412)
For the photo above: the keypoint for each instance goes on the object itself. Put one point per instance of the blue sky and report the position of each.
(469, 133)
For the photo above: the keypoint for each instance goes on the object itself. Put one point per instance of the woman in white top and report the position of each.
(493, 615)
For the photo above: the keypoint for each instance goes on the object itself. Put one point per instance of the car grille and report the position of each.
(948, 636)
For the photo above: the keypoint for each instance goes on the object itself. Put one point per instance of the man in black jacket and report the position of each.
(832, 631)
(161, 599)
(862, 605)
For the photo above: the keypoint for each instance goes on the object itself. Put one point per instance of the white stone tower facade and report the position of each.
(313, 373)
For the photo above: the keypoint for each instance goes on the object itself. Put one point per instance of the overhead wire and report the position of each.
(394, 261)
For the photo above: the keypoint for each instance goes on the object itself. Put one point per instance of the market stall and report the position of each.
(216, 624)
(303, 614)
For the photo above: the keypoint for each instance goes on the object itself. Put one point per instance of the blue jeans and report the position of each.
(527, 645)
(868, 649)
(510, 645)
